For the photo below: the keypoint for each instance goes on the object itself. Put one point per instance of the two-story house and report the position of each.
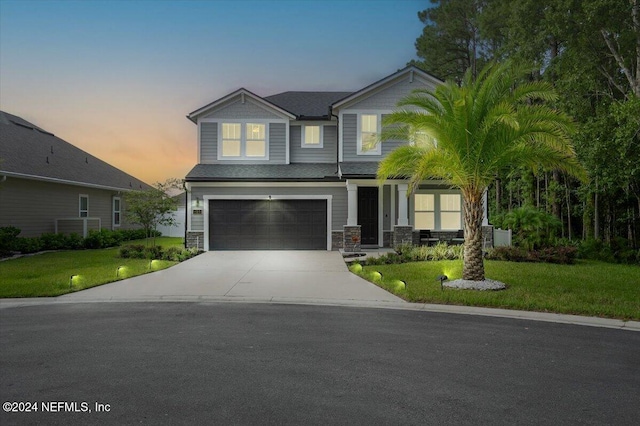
(297, 170)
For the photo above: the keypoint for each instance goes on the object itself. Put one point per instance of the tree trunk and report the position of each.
(498, 195)
(596, 214)
(555, 206)
(473, 266)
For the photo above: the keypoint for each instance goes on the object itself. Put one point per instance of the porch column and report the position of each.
(352, 204)
(403, 214)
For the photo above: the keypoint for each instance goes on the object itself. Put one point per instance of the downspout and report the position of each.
(186, 212)
(338, 171)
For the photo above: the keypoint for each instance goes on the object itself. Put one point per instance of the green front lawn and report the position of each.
(49, 274)
(586, 288)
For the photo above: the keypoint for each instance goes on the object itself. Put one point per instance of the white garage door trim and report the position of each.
(207, 198)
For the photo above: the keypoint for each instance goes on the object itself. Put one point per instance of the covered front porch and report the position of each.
(388, 215)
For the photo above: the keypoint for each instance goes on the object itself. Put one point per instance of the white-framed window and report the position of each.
(117, 211)
(243, 140)
(368, 132)
(439, 211)
(312, 136)
(256, 140)
(450, 211)
(425, 211)
(231, 140)
(83, 206)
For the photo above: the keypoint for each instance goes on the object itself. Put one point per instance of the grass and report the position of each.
(49, 274)
(587, 288)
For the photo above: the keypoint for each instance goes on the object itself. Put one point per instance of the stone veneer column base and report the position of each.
(402, 235)
(337, 238)
(351, 240)
(195, 240)
(487, 236)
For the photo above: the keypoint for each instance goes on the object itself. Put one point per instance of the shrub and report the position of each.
(8, 235)
(532, 228)
(154, 252)
(133, 251)
(172, 254)
(52, 241)
(562, 255)
(28, 245)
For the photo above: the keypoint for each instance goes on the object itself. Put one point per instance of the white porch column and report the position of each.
(403, 213)
(352, 204)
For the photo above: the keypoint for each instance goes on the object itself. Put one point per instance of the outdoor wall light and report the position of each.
(197, 201)
(442, 279)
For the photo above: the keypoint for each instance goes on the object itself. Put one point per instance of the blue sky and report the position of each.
(116, 78)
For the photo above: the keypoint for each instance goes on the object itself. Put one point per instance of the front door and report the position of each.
(368, 214)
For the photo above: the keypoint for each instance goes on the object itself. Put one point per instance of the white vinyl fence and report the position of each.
(501, 237)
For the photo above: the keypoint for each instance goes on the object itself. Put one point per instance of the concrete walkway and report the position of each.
(248, 276)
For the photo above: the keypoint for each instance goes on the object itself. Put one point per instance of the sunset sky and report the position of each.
(116, 78)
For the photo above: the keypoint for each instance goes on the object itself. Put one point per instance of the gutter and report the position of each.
(65, 181)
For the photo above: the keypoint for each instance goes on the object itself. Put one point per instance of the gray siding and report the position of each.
(208, 142)
(235, 109)
(326, 154)
(209, 145)
(34, 205)
(350, 141)
(277, 143)
(339, 200)
(388, 98)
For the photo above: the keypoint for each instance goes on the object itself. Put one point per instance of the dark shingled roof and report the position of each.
(263, 172)
(26, 149)
(307, 104)
(359, 168)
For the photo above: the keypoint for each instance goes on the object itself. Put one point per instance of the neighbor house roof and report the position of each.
(263, 172)
(307, 105)
(28, 151)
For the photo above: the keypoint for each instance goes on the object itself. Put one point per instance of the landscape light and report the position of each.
(71, 280)
(442, 279)
(118, 271)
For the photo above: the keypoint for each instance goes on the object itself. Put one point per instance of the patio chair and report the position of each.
(459, 238)
(426, 238)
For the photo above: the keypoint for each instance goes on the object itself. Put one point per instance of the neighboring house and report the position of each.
(297, 170)
(178, 228)
(49, 185)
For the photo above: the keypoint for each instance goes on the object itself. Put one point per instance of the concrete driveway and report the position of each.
(273, 276)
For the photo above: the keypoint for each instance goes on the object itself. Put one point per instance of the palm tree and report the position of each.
(465, 134)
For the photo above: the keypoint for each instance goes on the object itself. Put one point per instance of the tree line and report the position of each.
(589, 51)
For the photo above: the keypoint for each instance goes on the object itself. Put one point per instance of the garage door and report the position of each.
(268, 225)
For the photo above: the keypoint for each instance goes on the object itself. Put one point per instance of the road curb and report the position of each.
(406, 306)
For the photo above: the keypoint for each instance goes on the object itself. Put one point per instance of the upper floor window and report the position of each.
(84, 206)
(312, 137)
(368, 131)
(243, 141)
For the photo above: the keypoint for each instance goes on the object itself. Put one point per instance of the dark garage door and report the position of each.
(268, 225)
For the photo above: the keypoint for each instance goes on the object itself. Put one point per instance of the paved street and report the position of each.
(215, 363)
